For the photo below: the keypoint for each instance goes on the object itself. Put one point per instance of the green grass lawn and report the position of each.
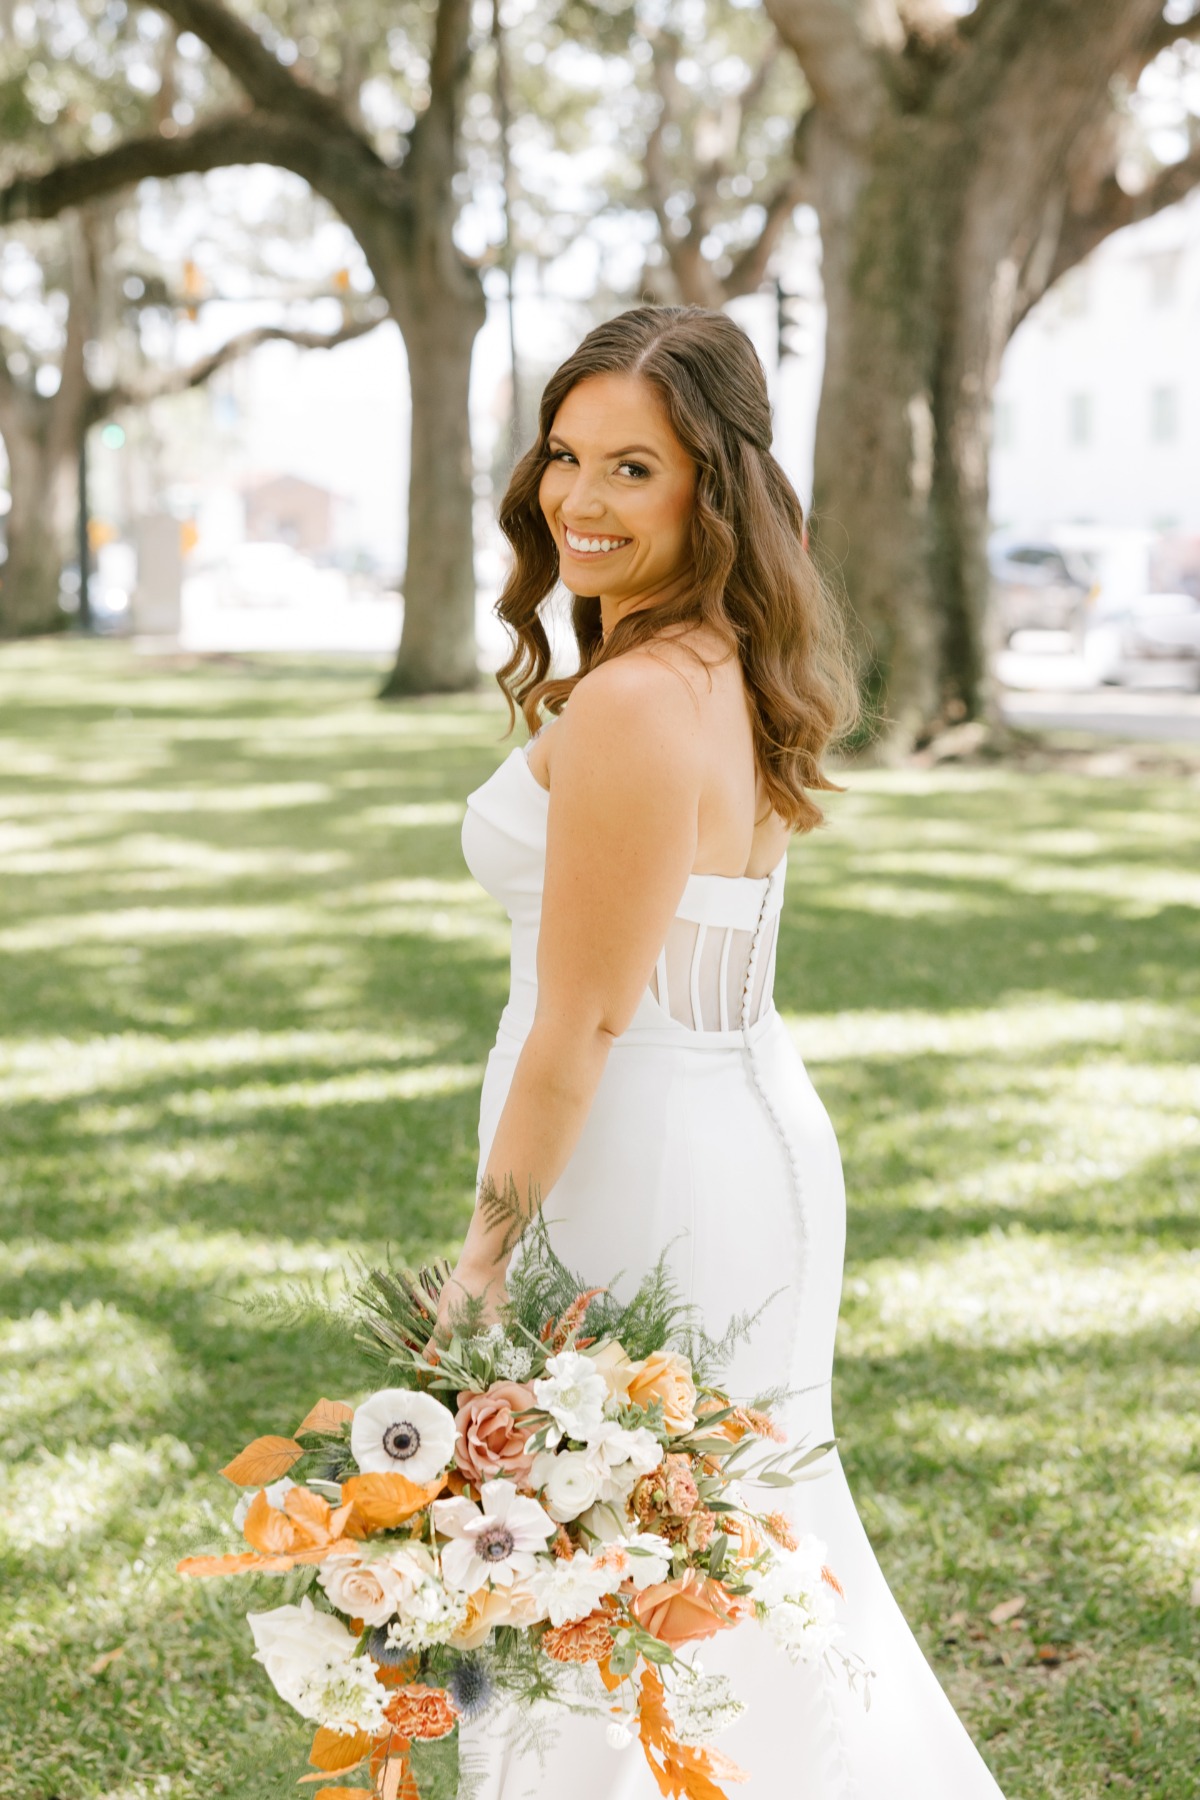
(248, 989)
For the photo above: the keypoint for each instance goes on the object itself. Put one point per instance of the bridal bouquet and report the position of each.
(553, 1509)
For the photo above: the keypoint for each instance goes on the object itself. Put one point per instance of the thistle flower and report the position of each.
(471, 1687)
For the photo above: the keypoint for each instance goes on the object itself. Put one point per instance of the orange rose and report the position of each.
(667, 1377)
(680, 1612)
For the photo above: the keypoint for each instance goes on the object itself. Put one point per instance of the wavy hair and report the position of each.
(755, 584)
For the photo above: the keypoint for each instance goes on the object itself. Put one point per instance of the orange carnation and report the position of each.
(583, 1641)
(680, 1612)
(422, 1712)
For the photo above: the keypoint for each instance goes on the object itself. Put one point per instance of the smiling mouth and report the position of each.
(589, 548)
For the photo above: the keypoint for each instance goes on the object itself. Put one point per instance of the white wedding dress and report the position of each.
(707, 1134)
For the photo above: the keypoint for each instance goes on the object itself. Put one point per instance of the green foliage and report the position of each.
(248, 993)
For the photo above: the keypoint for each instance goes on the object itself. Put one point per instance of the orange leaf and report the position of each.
(219, 1565)
(326, 1415)
(263, 1461)
(610, 1680)
(381, 1501)
(310, 1511)
(337, 1751)
(339, 1794)
(272, 1531)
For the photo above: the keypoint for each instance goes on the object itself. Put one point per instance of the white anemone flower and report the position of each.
(573, 1392)
(494, 1542)
(400, 1432)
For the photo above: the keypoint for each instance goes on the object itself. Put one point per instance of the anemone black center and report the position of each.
(402, 1440)
(494, 1544)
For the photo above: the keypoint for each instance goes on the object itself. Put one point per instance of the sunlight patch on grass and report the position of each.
(429, 812)
(71, 1495)
(171, 1259)
(1010, 1288)
(367, 1087)
(50, 1069)
(83, 1373)
(1039, 1024)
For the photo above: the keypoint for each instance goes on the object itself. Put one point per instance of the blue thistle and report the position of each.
(381, 1649)
(470, 1686)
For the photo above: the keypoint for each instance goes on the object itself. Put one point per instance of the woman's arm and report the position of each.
(621, 843)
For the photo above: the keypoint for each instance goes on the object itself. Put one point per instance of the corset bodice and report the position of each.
(713, 977)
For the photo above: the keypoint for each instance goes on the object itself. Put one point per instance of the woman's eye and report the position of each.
(639, 471)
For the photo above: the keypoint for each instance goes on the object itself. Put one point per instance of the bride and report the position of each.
(642, 1081)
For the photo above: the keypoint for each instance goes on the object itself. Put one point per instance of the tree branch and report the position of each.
(1164, 36)
(273, 87)
(748, 271)
(1113, 209)
(104, 401)
(845, 48)
(230, 138)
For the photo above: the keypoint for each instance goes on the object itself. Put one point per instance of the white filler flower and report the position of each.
(493, 1542)
(399, 1432)
(309, 1656)
(570, 1590)
(573, 1392)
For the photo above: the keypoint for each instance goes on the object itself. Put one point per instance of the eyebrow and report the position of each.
(627, 451)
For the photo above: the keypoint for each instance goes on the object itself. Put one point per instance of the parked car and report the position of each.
(1158, 630)
(1040, 587)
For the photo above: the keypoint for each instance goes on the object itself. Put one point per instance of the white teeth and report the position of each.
(578, 543)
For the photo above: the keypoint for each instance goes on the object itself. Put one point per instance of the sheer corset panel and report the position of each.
(714, 973)
(716, 970)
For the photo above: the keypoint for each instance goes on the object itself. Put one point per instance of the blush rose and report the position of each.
(489, 1442)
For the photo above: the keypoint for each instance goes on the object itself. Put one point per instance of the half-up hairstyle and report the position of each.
(755, 584)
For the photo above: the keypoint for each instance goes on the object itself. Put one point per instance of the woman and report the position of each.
(642, 1082)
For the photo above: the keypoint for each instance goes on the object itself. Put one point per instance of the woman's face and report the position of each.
(618, 476)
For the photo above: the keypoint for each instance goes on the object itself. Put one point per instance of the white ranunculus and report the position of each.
(400, 1432)
(276, 1494)
(293, 1642)
(494, 1542)
(570, 1588)
(567, 1482)
(619, 1457)
(365, 1587)
(573, 1392)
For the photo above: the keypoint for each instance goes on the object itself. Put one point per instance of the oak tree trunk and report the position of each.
(900, 480)
(38, 536)
(438, 649)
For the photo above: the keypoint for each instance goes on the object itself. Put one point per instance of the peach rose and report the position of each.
(489, 1607)
(489, 1442)
(680, 1612)
(665, 1376)
(616, 1368)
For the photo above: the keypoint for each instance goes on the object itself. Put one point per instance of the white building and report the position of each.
(1097, 416)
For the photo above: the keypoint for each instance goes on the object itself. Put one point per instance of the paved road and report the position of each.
(1048, 687)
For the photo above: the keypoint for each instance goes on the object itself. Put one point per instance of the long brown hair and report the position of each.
(755, 584)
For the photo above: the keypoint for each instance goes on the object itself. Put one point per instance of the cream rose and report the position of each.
(370, 1591)
(293, 1643)
(666, 1376)
(568, 1482)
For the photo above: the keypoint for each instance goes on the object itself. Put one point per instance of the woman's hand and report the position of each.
(473, 1279)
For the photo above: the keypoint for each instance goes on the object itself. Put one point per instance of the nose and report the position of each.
(580, 503)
